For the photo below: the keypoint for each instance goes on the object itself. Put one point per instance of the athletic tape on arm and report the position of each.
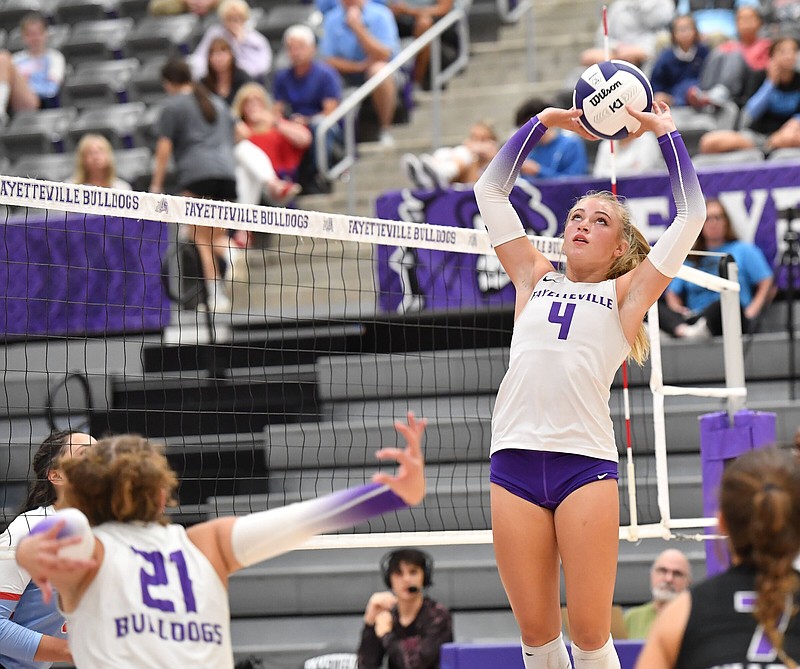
(494, 186)
(263, 535)
(671, 249)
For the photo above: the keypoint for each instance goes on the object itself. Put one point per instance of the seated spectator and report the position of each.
(677, 68)
(557, 154)
(691, 311)
(325, 6)
(359, 38)
(403, 625)
(632, 156)
(771, 117)
(199, 8)
(670, 575)
(715, 19)
(731, 70)
(307, 91)
(224, 78)
(95, 164)
(457, 164)
(280, 140)
(43, 67)
(633, 31)
(250, 48)
(416, 17)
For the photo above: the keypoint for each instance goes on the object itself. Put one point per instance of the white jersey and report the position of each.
(156, 602)
(568, 343)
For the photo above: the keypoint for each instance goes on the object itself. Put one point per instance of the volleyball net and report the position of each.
(337, 326)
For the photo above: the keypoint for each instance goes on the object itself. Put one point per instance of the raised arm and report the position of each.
(232, 543)
(520, 259)
(640, 288)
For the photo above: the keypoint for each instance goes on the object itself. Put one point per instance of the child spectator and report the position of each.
(458, 164)
(677, 68)
(42, 67)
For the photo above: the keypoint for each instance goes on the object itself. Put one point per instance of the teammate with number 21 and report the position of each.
(149, 594)
(554, 458)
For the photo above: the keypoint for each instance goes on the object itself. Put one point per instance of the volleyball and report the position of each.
(75, 525)
(602, 92)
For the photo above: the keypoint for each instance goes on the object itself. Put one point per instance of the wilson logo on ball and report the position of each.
(602, 93)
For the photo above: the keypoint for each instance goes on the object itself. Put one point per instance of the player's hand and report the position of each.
(409, 480)
(38, 555)
(566, 119)
(659, 121)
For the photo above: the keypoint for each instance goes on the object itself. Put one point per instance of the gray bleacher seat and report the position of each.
(44, 131)
(787, 155)
(275, 21)
(97, 40)
(56, 36)
(3, 38)
(146, 83)
(52, 167)
(99, 84)
(11, 11)
(162, 36)
(134, 166)
(731, 158)
(136, 9)
(118, 122)
(75, 11)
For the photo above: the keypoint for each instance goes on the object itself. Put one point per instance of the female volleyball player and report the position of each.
(554, 458)
(31, 630)
(746, 616)
(154, 594)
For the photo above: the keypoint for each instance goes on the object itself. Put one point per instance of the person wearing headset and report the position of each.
(403, 625)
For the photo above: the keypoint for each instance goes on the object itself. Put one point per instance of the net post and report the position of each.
(733, 351)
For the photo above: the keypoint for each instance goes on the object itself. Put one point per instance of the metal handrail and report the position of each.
(349, 107)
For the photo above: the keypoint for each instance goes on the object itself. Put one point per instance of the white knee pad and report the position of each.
(604, 657)
(553, 655)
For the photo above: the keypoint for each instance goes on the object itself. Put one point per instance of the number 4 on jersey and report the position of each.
(563, 319)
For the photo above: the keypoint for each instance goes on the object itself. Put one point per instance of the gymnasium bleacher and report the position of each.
(310, 602)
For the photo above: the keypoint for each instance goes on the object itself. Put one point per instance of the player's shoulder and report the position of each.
(22, 525)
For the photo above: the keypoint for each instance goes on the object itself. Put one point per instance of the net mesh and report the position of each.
(337, 326)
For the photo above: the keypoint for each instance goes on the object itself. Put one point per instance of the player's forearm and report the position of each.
(53, 649)
(674, 245)
(263, 535)
(17, 641)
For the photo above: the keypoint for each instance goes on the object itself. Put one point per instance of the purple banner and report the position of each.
(71, 274)
(412, 279)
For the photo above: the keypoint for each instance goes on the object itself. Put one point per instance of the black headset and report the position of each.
(390, 562)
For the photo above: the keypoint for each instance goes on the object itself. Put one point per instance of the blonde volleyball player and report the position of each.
(149, 594)
(554, 459)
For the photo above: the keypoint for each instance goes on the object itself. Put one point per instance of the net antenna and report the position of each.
(464, 242)
(630, 470)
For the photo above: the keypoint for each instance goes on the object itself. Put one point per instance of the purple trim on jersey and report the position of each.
(545, 478)
(354, 505)
(505, 167)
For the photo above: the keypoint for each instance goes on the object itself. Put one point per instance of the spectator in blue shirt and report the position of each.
(359, 38)
(677, 67)
(558, 154)
(691, 311)
(32, 634)
(307, 91)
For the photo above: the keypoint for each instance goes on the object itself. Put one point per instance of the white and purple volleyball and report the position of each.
(602, 93)
(76, 524)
